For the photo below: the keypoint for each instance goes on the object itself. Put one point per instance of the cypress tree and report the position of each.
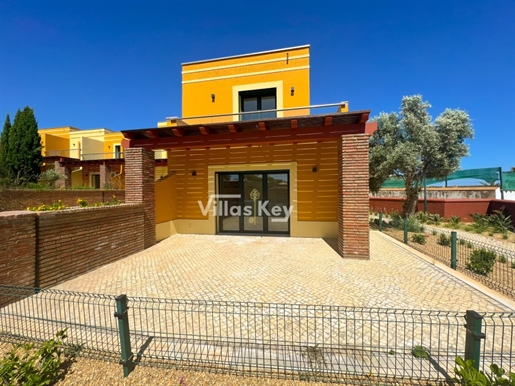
(24, 158)
(4, 147)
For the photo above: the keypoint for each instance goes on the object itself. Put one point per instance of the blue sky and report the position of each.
(117, 64)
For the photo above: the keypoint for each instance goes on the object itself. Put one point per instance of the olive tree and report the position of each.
(411, 146)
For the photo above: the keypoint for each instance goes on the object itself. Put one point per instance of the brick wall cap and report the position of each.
(17, 213)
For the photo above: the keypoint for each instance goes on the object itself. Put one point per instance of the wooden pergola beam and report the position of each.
(204, 130)
(177, 132)
(299, 135)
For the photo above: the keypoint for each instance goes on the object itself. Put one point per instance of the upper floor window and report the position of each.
(258, 100)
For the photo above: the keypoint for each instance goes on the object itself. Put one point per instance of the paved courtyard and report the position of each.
(284, 270)
(209, 329)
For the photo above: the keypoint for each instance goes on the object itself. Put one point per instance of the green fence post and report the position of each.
(453, 249)
(405, 230)
(123, 328)
(380, 221)
(473, 337)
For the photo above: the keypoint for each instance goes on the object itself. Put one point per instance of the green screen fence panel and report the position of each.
(508, 181)
(489, 175)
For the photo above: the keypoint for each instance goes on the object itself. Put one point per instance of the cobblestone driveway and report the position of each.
(284, 270)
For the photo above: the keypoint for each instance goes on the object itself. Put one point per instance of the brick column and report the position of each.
(105, 177)
(353, 197)
(139, 187)
(67, 182)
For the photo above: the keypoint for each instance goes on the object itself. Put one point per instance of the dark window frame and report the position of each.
(259, 94)
(265, 231)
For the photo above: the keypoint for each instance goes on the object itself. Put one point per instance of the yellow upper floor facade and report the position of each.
(268, 84)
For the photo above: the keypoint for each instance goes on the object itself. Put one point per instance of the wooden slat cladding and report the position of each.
(317, 192)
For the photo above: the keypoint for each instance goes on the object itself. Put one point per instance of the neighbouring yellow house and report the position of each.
(250, 155)
(92, 157)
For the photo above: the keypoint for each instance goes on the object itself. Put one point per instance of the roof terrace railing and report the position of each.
(79, 154)
(260, 114)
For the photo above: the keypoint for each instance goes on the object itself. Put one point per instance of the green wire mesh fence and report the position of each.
(489, 263)
(294, 341)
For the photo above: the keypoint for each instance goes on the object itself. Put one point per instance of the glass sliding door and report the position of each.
(229, 186)
(253, 195)
(254, 202)
(279, 198)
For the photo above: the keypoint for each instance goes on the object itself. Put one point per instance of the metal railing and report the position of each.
(78, 154)
(306, 342)
(328, 108)
(488, 263)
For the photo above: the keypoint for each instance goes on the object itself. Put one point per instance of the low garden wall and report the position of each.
(20, 199)
(43, 249)
(507, 205)
(472, 192)
(446, 207)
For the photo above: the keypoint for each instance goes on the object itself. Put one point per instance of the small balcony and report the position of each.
(301, 111)
(77, 156)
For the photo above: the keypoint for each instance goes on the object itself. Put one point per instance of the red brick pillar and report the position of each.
(139, 187)
(67, 181)
(353, 196)
(105, 177)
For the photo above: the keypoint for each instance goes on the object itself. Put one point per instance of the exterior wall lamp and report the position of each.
(194, 173)
(292, 91)
(212, 97)
(315, 169)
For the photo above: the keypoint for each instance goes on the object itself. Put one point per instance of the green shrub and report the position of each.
(481, 261)
(419, 238)
(462, 242)
(444, 240)
(481, 222)
(513, 264)
(499, 221)
(469, 245)
(503, 259)
(422, 217)
(435, 219)
(37, 186)
(455, 222)
(413, 224)
(505, 236)
(50, 177)
(27, 365)
(397, 220)
(83, 187)
(434, 233)
(420, 352)
(468, 375)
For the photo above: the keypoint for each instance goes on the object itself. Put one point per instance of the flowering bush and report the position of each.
(54, 206)
(82, 203)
